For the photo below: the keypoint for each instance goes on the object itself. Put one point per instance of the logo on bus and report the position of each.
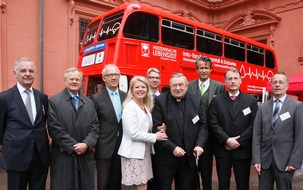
(145, 50)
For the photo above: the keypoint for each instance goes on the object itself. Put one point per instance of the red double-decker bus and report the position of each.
(136, 37)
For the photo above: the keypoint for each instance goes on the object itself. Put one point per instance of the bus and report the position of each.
(136, 37)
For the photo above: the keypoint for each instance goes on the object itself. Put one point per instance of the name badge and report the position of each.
(195, 119)
(284, 116)
(246, 111)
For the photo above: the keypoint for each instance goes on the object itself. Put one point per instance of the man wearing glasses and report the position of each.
(154, 79)
(108, 103)
(278, 137)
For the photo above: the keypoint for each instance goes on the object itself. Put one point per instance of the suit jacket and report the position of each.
(136, 131)
(215, 88)
(19, 135)
(195, 132)
(284, 143)
(109, 127)
(228, 122)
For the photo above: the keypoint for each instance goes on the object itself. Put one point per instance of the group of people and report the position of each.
(145, 138)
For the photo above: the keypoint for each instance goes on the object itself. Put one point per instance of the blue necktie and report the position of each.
(117, 105)
(76, 101)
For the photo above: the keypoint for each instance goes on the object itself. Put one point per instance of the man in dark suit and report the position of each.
(154, 80)
(25, 154)
(278, 137)
(231, 118)
(208, 89)
(110, 130)
(184, 117)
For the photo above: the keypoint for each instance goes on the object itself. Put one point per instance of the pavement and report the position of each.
(297, 181)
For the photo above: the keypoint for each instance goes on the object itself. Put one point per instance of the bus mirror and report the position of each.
(123, 83)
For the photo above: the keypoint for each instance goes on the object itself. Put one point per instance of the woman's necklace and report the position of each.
(141, 106)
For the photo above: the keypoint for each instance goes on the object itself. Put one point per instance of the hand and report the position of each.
(161, 136)
(80, 148)
(198, 151)
(162, 127)
(179, 152)
(232, 142)
(258, 168)
(290, 169)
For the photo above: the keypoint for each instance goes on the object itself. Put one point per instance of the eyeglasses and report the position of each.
(152, 78)
(111, 75)
(278, 82)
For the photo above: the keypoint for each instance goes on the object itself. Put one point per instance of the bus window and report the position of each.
(110, 26)
(270, 60)
(142, 26)
(234, 49)
(91, 33)
(255, 55)
(177, 34)
(209, 42)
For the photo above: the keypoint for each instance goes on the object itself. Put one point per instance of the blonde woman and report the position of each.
(136, 146)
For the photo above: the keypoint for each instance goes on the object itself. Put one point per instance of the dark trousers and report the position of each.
(241, 168)
(34, 177)
(273, 174)
(109, 173)
(206, 168)
(178, 170)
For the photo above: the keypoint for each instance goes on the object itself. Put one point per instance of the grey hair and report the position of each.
(106, 67)
(153, 69)
(72, 69)
(16, 64)
(178, 75)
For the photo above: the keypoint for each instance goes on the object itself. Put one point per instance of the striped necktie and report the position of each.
(276, 112)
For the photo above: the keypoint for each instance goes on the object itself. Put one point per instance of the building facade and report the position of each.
(50, 31)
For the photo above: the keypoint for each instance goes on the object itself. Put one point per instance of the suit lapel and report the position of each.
(211, 91)
(283, 110)
(18, 99)
(108, 101)
(38, 105)
(228, 104)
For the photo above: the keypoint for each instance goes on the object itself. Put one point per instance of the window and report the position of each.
(177, 34)
(270, 60)
(142, 26)
(208, 42)
(255, 55)
(110, 26)
(234, 49)
(82, 27)
(90, 33)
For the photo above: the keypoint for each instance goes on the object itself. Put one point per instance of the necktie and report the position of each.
(28, 105)
(276, 112)
(153, 96)
(202, 88)
(76, 101)
(117, 105)
(233, 97)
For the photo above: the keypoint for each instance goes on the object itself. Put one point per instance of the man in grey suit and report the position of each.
(109, 110)
(278, 137)
(207, 88)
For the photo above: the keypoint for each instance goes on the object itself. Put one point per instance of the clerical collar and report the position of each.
(178, 100)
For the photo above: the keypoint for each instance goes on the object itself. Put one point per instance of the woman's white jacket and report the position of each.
(135, 131)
